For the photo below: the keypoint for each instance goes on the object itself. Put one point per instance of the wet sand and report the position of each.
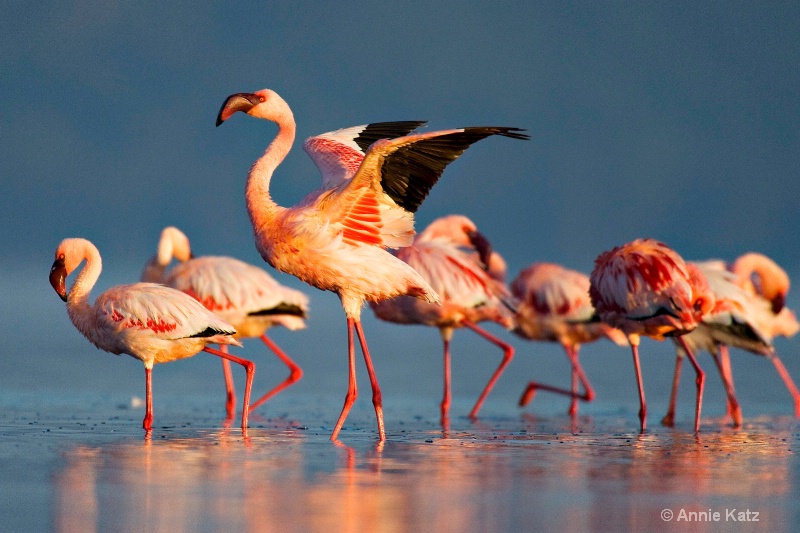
(83, 463)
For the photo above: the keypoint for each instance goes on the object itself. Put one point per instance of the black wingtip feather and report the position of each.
(281, 309)
(409, 173)
(513, 133)
(210, 332)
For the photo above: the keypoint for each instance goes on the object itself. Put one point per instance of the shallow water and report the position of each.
(82, 463)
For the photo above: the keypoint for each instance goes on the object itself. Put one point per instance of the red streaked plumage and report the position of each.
(242, 294)
(321, 240)
(150, 322)
(645, 288)
(554, 306)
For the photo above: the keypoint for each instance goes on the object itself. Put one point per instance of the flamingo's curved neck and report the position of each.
(260, 205)
(78, 306)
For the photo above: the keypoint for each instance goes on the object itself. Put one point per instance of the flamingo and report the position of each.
(150, 322)
(554, 306)
(453, 257)
(645, 288)
(243, 295)
(336, 239)
(740, 319)
(752, 291)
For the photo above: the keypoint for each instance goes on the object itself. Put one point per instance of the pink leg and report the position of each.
(147, 423)
(577, 373)
(642, 402)
(295, 372)
(377, 400)
(230, 398)
(250, 368)
(787, 380)
(700, 381)
(669, 418)
(352, 389)
(573, 404)
(725, 361)
(445, 405)
(508, 354)
(530, 392)
(733, 404)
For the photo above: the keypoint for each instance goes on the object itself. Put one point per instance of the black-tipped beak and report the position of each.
(237, 102)
(778, 303)
(482, 245)
(58, 276)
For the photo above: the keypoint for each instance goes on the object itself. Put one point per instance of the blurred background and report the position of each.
(676, 121)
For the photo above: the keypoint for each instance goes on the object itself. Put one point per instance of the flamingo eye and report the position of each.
(262, 99)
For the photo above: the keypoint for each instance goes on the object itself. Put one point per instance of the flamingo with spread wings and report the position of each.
(241, 294)
(554, 306)
(453, 257)
(150, 322)
(646, 288)
(336, 239)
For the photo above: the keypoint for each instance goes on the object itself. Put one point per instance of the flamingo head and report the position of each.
(173, 243)
(264, 104)
(69, 255)
(762, 275)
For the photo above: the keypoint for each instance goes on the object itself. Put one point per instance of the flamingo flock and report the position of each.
(354, 236)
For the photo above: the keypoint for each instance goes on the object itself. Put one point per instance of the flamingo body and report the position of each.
(554, 305)
(646, 288)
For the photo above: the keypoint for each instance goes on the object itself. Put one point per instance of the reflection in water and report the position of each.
(477, 479)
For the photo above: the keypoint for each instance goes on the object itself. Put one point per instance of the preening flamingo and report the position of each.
(646, 288)
(336, 238)
(241, 294)
(739, 319)
(554, 306)
(150, 322)
(760, 275)
(453, 257)
(744, 316)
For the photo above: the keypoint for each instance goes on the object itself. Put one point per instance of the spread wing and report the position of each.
(377, 205)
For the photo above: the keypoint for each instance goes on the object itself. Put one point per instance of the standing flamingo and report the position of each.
(740, 319)
(150, 322)
(452, 256)
(646, 288)
(336, 238)
(241, 294)
(554, 306)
